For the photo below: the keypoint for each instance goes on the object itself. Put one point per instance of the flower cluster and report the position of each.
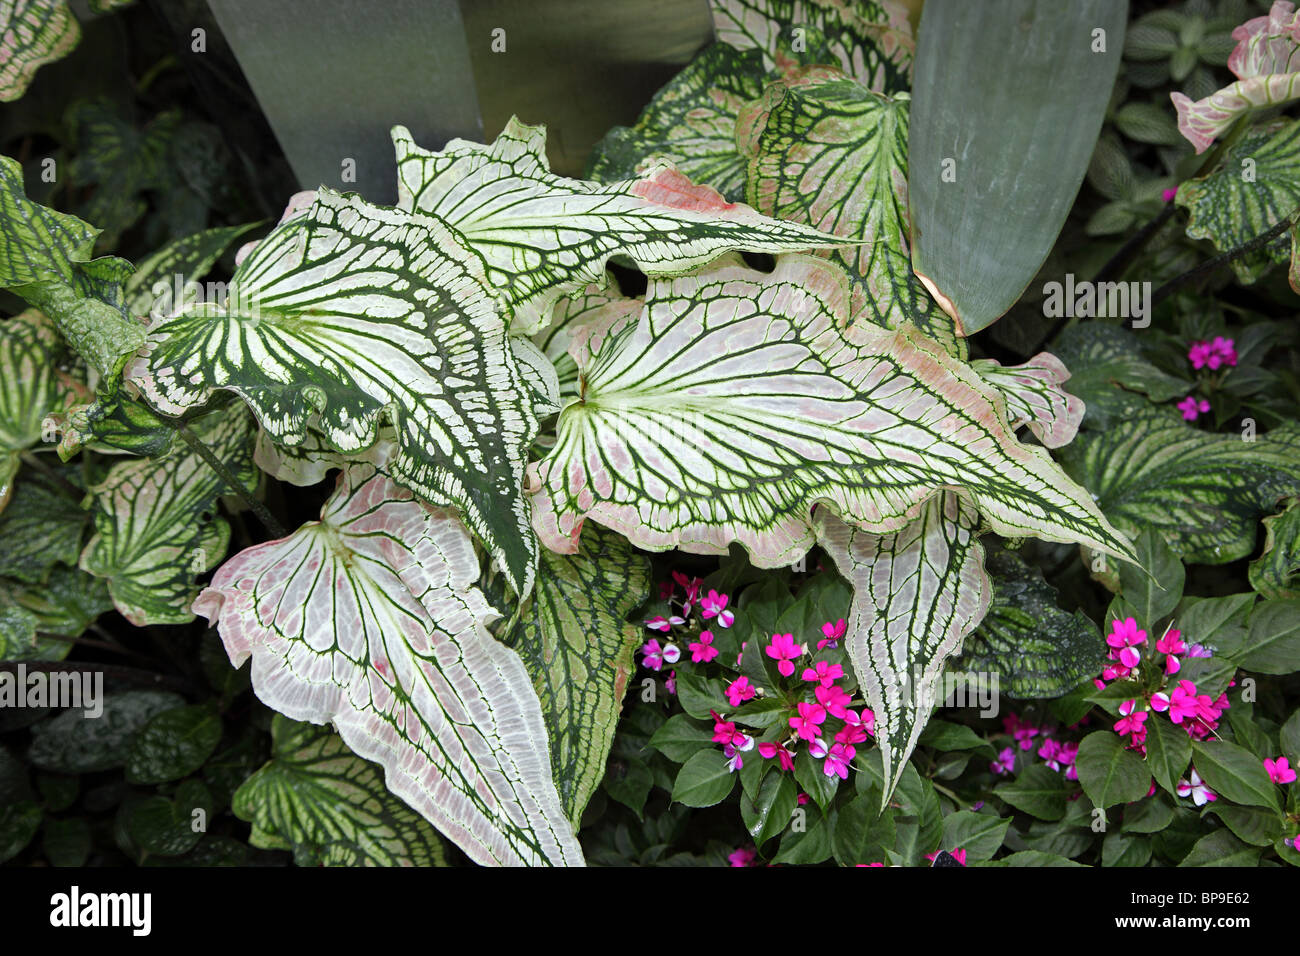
(682, 613)
(1213, 354)
(1057, 753)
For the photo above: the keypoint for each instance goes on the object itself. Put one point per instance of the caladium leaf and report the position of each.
(596, 309)
(1204, 492)
(1109, 373)
(690, 123)
(319, 799)
(32, 33)
(167, 280)
(371, 619)
(1266, 62)
(1037, 649)
(1035, 398)
(825, 151)
(155, 522)
(1276, 572)
(359, 313)
(65, 604)
(1229, 208)
(44, 525)
(871, 40)
(576, 643)
(310, 462)
(916, 594)
(544, 236)
(738, 399)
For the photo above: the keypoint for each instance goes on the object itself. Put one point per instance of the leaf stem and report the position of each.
(1212, 265)
(263, 513)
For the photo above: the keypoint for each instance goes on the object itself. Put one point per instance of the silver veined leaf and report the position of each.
(361, 314)
(739, 399)
(595, 309)
(153, 289)
(544, 236)
(1035, 398)
(329, 806)
(155, 523)
(871, 40)
(44, 525)
(917, 593)
(1276, 572)
(64, 605)
(577, 644)
(310, 462)
(32, 33)
(371, 619)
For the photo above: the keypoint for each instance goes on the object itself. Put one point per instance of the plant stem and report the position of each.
(216, 464)
(1212, 265)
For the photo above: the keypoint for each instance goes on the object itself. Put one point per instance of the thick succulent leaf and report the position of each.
(690, 123)
(544, 236)
(1109, 374)
(1008, 102)
(155, 523)
(32, 33)
(916, 594)
(871, 40)
(739, 399)
(43, 258)
(1266, 62)
(1203, 492)
(42, 527)
(371, 619)
(1035, 398)
(594, 310)
(362, 313)
(153, 288)
(1230, 210)
(1037, 650)
(330, 807)
(576, 643)
(825, 151)
(1276, 572)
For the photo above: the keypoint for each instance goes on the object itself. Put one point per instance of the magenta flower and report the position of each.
(703, 651)
(1212, 355)
(1131, 721)
(1279, 770)
(1171, 645)
(1167, 195)
(810, 718)
(833, 634)
(652, 655)
(824, 673)
(779, 751)
(742, 857)
(1183, 702)
(714, 605)
(670, 684)
(838, 759)
(784, 650)
(724, 731)
(851, 734)
(659, 623)
(834, 699)
(739, 691)
(1005, 763)
(690, 585)
(1191, 408)
(1192, 786)
(866, 720)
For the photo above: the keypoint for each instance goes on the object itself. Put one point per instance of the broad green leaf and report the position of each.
(917, 593)
(1032, 858)
(43, 258)
(1218, 623)
(362, 313)
(1204, 492)
(331, 807)
(1234, 773)
(1154, 585)
(704, 780)
(1109, 773)
(156, 526)
(1272, 643)
(1221, 848)
(163, 827)
(173, 744)
(32, 33)
(681, 737)
(979, 834)
(64, 605)
(862, 831)
(544, 236)
(871, 40)
(1107, 368)
(1125, 849)
(167, 280)
(674, 445)
(1035, 398)
(19, 822)
(997, 153)
(769, 812)
(825, 151)
(371, 619)
(19, 640)
(1169, 750)
(577, 645)
(1254, 825)
(1037, 650)
(1276, 572)
(690, 123)
(42, 528)
(1256, 186)
(71, 742)
(115, 421)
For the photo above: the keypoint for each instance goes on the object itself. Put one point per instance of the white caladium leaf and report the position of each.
(824, 150)
(167, 280)
(361, 314)
(739, 399)
(155, 526)
(309, 463)
(371, 619)
(871, 40)
(598, 307)
(1034, 397)
(1266, 62)
(32, 33)
(544, 236)
(917, 593)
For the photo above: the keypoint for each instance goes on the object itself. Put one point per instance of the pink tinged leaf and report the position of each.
(1035, 398)
(451, 715)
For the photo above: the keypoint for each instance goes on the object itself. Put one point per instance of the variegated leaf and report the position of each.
(1266, 62)
(690, 123)
(371, 619)
(576, 643)
(544, 236)
(1276, 572)
(64, 605)
(310, 462)
(156, 526)
(871, 40)
(43, 527)
(825, 151)
(167, 281)
(1204, 492)
(917, 593)
(597, 307)
(330, 807)
(739, 399)
(1230, 209)
(1110, 374)
(32, 33)
(1034, 397)
(362, 314)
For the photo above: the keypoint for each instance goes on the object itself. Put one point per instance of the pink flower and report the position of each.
(714, 605)
(670, 684)
(834, 699)
(1131, 721)
(810, 717)
(1183, 702)
(652, 655)
(703, 651)
(1005, 763)
(1212, 355)
(779, 751)
(659, 623)
(1160, 702)
(958, 855)
(824, 673)
(851, 734)
(1066, 757)
(739, 691)
(1279, 770)
(742, 857)
(1123, 639)
(1198, 354)
(838, 759)
(1191, 408)
(690, 585)
(1193, 786)
(783, 650)
(1167, 195)
(833, 634)
(866, 720)
(725, 732)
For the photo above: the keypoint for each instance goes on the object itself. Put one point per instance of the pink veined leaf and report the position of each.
(1034, 397)
(371, 619)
